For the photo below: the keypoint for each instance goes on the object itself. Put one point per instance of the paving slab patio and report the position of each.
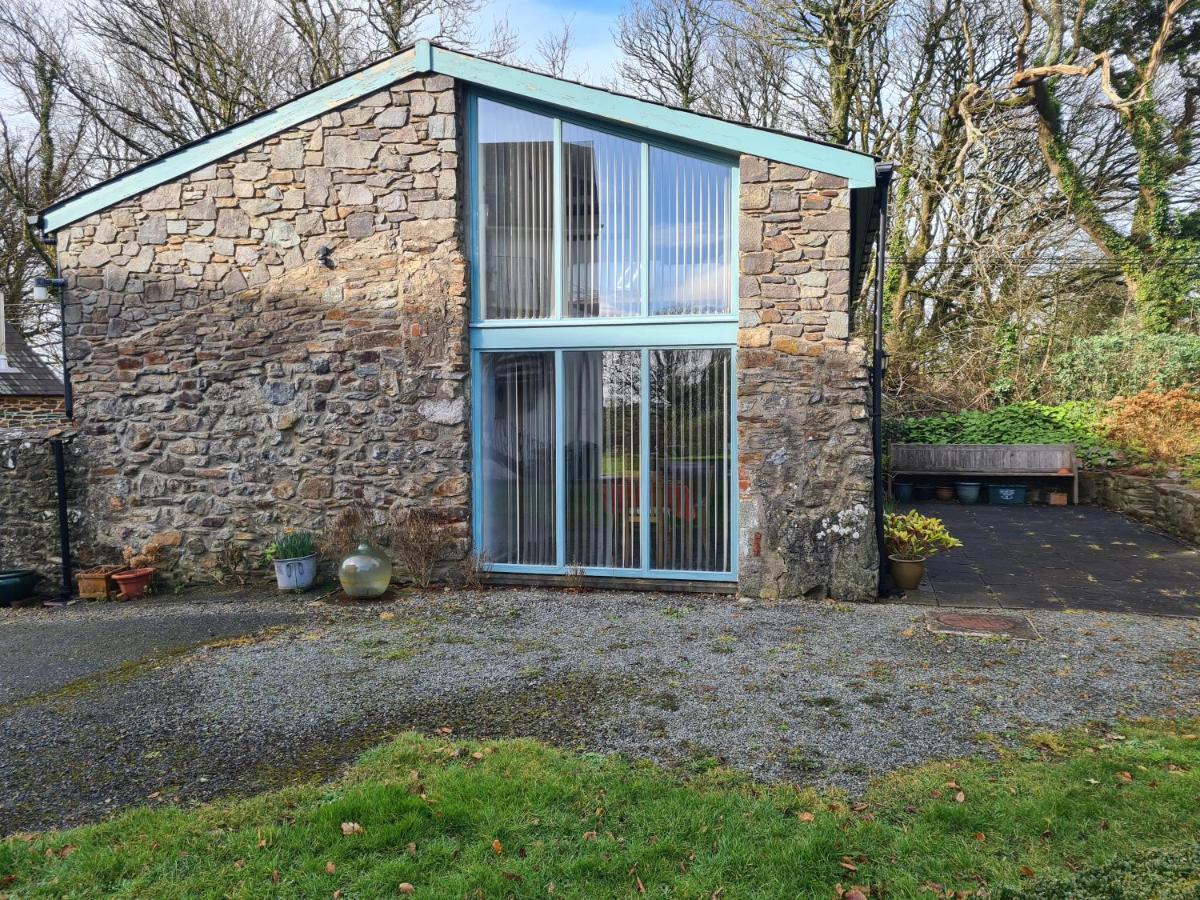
(1046, 557)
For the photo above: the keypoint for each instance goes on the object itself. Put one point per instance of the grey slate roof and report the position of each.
(33, 377)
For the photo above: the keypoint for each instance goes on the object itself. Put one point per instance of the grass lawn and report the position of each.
(438, 818)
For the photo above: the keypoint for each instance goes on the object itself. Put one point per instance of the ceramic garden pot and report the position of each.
(296, 574)
(968, 491)
(134, 582)
(365, 573)
(16, 585)
(907, 573)
(903, 491)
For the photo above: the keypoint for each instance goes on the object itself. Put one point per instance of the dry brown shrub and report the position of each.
(1165, 425)
(420, 539)
(352, 526)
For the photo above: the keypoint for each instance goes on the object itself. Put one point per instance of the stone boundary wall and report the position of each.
(29, 536)
(804, 436)
(276, 336)
(25, 411)
(1170, 507)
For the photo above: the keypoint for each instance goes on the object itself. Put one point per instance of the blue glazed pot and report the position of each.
(16, 585)
(968, 491)
(903, 491)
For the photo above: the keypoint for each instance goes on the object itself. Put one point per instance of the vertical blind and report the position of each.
(518, 465)
(689, 229)
(603, 434)
(690, 456)
(516, 177)
(601, 175)
(683, 202)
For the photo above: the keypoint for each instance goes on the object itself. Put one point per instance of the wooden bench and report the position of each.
(1024, 460)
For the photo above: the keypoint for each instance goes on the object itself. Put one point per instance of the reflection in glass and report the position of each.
(601, 192)
(517, 464)
(690, 472)
(603, 427)
(689, 235)
(516, 235)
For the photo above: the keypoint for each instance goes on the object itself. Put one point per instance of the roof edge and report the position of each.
(424, 57)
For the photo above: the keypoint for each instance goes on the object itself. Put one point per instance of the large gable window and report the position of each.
(576, 222)
(603, 341)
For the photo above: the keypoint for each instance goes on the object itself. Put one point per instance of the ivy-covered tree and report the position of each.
(1129, 68)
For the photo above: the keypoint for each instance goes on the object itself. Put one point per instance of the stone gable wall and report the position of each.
(805, 463)
(228, 383)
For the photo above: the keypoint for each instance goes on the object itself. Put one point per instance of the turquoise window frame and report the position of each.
(559, 334)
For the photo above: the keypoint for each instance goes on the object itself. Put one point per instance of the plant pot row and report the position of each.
(968, 492)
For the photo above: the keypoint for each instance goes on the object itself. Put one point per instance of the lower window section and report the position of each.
(646, 462)
(517, 462)
(690, 465)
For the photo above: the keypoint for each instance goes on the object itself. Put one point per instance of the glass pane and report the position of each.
(517, 464)
(603, 458)
(689, 235)
(600, 181)
(690, 441)
(516, 178)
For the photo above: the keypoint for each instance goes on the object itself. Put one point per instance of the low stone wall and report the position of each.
(29, 536)
(1168, 506)
(33, 411)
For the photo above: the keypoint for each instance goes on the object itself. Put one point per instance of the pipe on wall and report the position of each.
(883, 181)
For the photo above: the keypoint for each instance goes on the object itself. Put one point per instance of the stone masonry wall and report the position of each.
(29, 410)
(805, 465)
(29, 502)
(228, 383)
(1166, 505)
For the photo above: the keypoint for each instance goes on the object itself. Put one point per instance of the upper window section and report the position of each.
(516, 199)
(602, 223)
(689, 235)
(573, 222)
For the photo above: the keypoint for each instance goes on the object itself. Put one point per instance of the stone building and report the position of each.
(30, 392)
(597, 334)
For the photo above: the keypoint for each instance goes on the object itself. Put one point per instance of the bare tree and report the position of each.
(554, 50)
(665, 49)
(329, 38)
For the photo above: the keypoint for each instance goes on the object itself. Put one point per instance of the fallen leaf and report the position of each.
(405, 888)
(589, 835)
(510, 876)
(239, 863)
(854, 894)
(1126, 777)
(960, 797)
(848, 864)
(806, 817)
(387, 616)
(275, 876)
(1027, 872)
(497, 847)
(411, 849)
(349, 828)
(980, 836)
(330, 868)
(641, 888)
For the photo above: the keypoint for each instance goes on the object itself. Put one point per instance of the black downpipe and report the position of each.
(883, 180)
(64, 531)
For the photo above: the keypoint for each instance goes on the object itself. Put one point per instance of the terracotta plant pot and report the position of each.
(97, 583)
(907, 573)
(134, 582)
(1057, 498)
(945, 492)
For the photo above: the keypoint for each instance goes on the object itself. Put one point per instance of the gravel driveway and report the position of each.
(823, 694)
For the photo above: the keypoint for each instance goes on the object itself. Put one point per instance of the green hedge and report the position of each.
(1017, 423)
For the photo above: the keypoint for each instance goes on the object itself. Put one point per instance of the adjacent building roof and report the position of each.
(425, 58)
(33, 377)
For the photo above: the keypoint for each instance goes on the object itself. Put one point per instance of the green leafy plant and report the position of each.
(290, 545)
(1122, 363)
(912, 536)
(1075, 423)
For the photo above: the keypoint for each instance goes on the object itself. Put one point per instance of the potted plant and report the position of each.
(141, 568)
(912, 538)
(294, 556)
